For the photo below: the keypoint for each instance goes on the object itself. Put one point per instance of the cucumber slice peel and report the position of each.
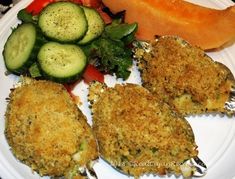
(95, 25)
(21, 48)
(61, 62)
(63, 22)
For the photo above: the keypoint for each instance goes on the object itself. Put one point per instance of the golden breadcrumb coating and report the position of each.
(46, 130)
(137, 134)
(185, 77)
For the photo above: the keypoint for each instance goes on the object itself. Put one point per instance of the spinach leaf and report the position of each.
(24, 16)
(118, 31)
(113, 56)
(110, 52)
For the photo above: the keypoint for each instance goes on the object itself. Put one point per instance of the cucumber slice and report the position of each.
(21, 48)
(95, 25)
(63, 22)
(62, 63)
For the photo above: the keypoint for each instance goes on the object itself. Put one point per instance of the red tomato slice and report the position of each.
(69, 88)
(36, 6)
(76, 1)
(92, 3)
(107, 19)
(92, 74)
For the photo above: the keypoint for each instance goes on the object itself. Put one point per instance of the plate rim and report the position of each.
(10, 16)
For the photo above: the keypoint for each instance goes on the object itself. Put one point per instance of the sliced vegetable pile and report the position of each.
(58, 39)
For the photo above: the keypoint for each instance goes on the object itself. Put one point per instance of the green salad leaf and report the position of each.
(117, 31)
(111, 52)
(34, 71)
(24, 16)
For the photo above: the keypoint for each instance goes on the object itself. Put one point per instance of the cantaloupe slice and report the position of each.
(201, 26)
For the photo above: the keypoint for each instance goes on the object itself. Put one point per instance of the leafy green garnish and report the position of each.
(110, 50)
(24, 16)
(113, 56)
(34, 71)
(119, 31)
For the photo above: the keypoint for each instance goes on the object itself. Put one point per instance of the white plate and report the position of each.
(215, 135)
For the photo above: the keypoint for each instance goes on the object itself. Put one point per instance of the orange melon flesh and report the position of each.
(205, 27)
